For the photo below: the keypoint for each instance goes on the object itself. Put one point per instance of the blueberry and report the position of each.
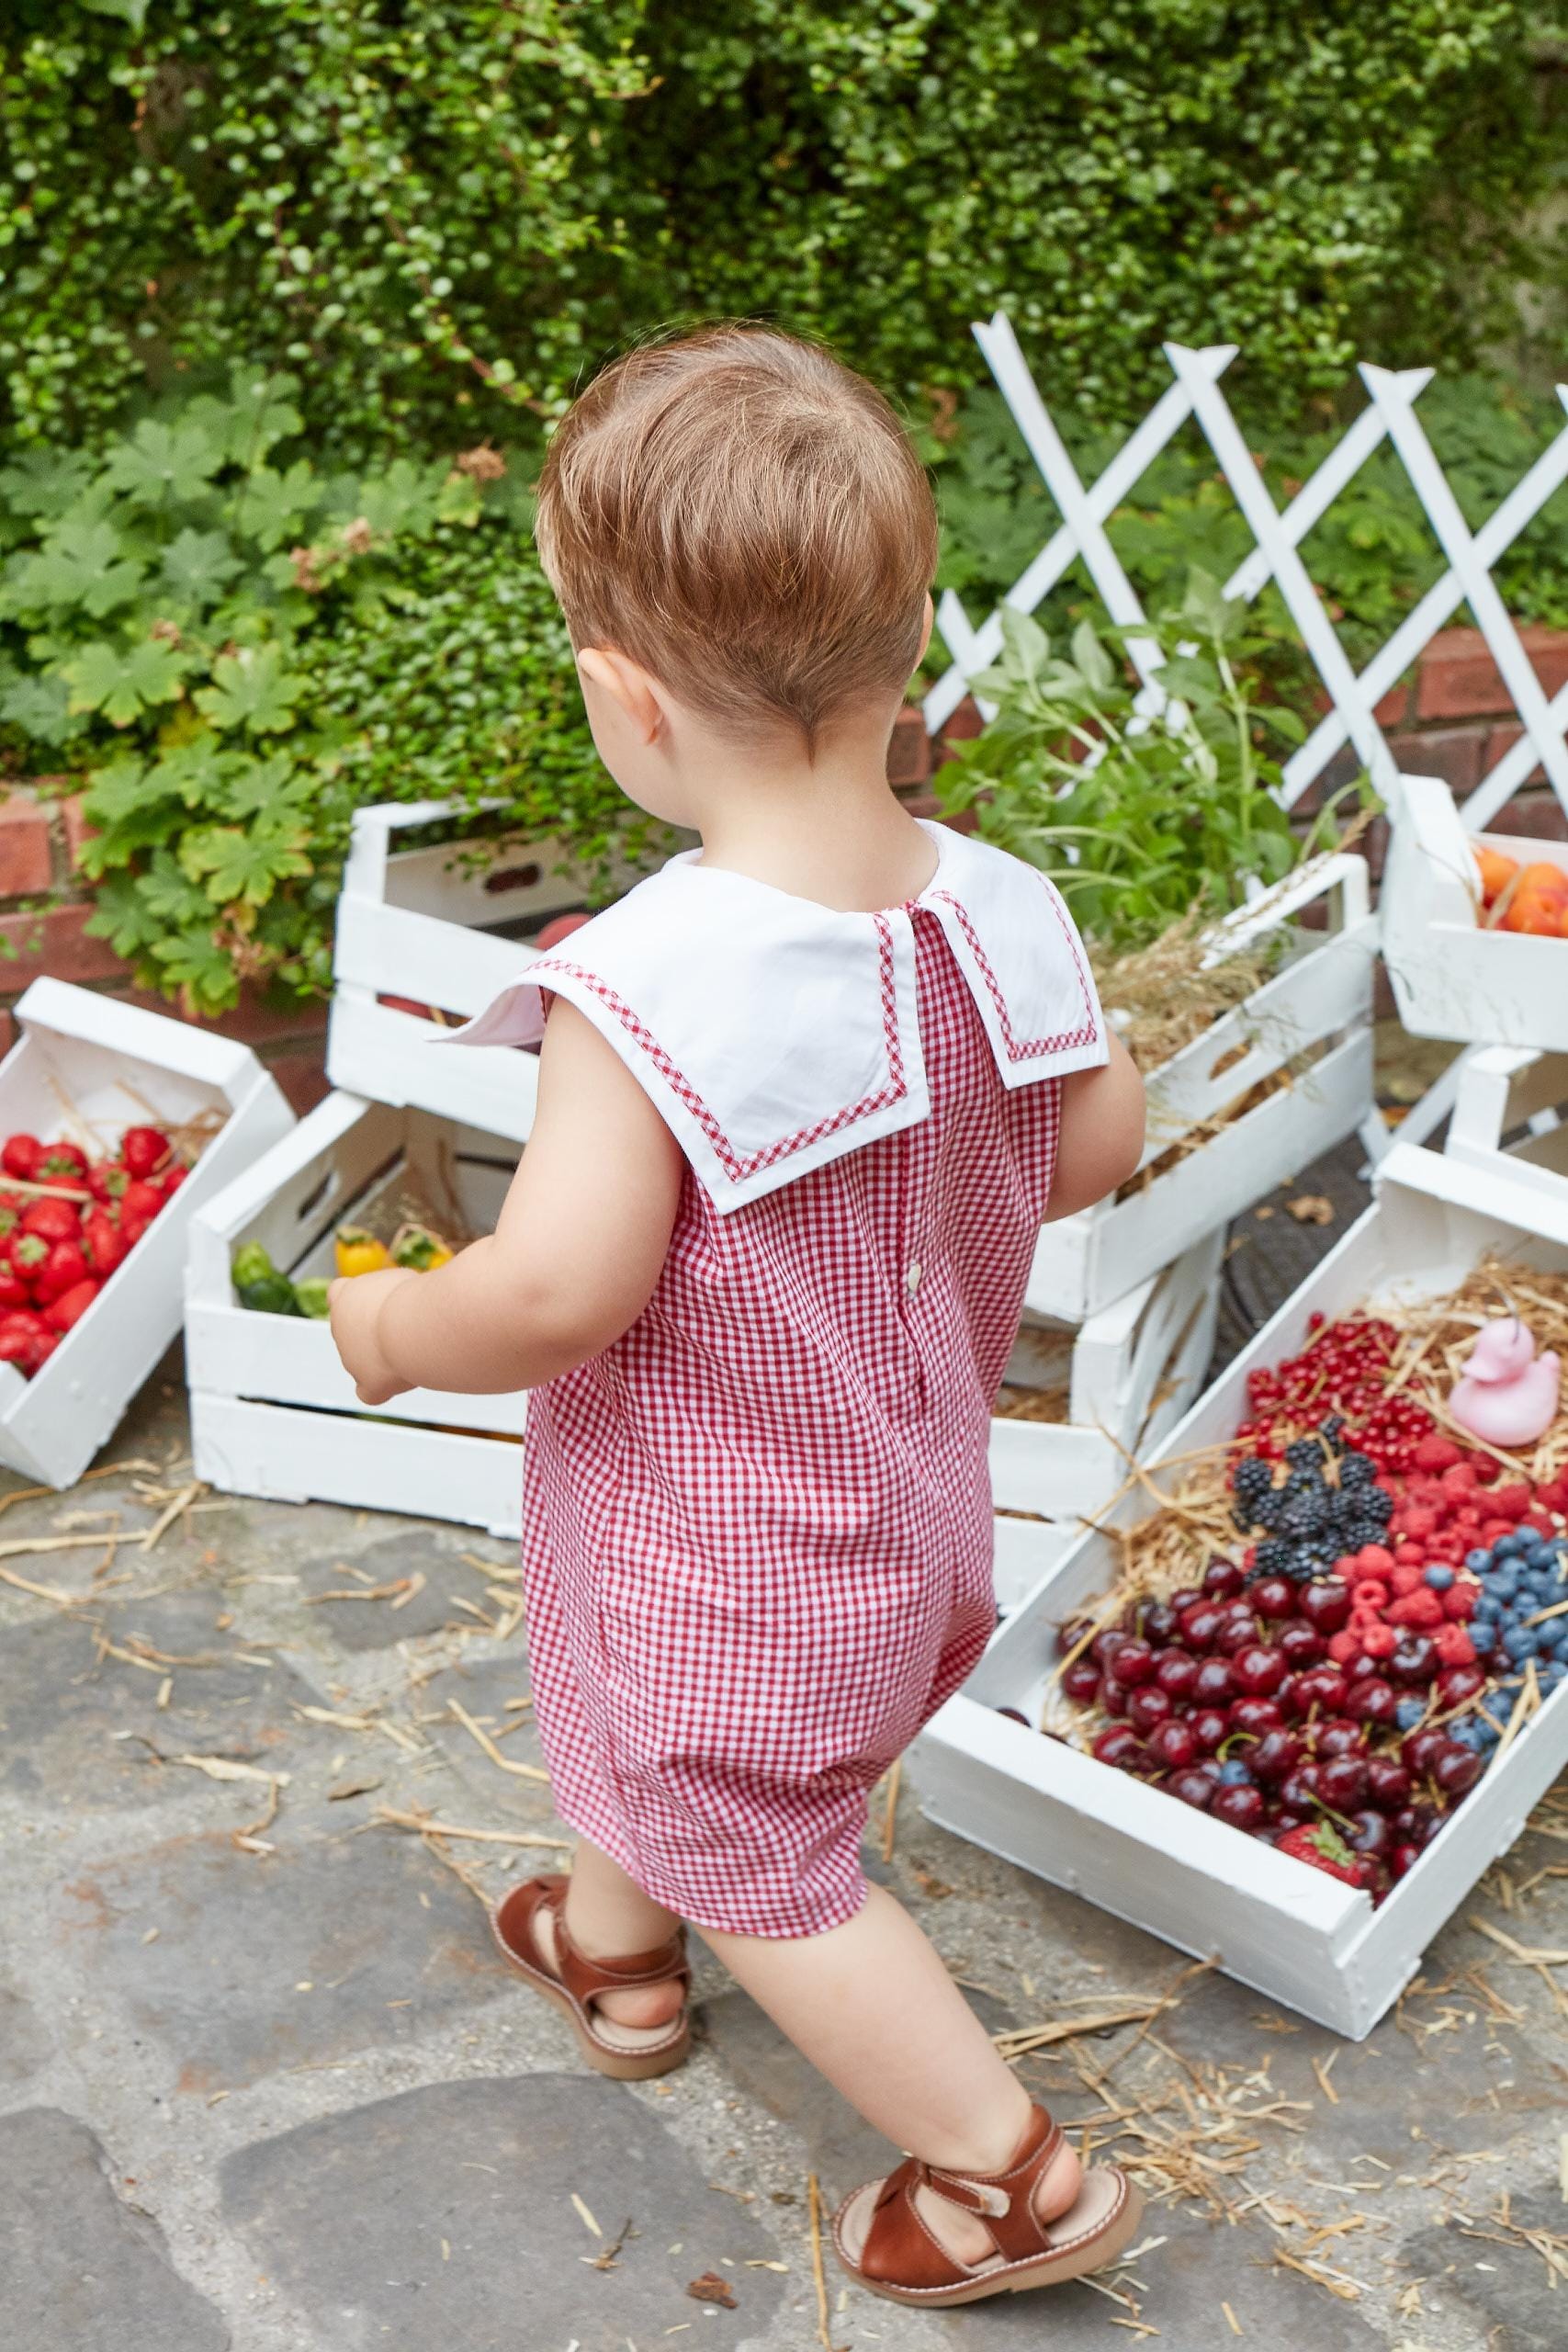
(1520, 1642)
(1488, 1609)
(1483, 1637)
(1408, 1712)
(1506, 1547)
(1478, 1562)
(1234, 1774)
(1467, 1733)
(1550, 1676)
(1439, 1578)
(1503, 1584)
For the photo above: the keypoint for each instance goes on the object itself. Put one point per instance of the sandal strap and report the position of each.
(899, 2248)
(582, 1979)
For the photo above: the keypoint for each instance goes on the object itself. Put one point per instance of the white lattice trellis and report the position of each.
(1354, 695)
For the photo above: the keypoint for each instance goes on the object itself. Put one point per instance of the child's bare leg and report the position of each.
(872, 2008)
(610, 1917)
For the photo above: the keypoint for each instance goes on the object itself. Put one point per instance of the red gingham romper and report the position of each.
(756, 1530)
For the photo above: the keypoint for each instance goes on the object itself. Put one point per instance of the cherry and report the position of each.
(1339, 1737)
(1456, 1770)
(1104, 1646)
(1149, 1706)
(1014, 1716)
(1224, 1578)
(1193, 1788)
(1070, 1633)
(1258, 1670)
(1372, 1698)
(1081, 1682)
(1297, 1793)
(1201, 1624)
(1415, 1660)
(1420, 1748)
(1300, 1644)
(1238, 1633)
(1388, 1783)
(1371, 1876)
(1176, 1671)
(1254, 1715)
(1404, 1858)
(1372, 1834)
(1122, 1747)
(1172, 1744)
(1114, 1697)
(1323, 1687)
(1214, 1683)
(1342, 1782)
(1274, 1597)
(1209, 1726)
(1243, 1807)
(1184, 1595)
(1458, 1683)
(1130, 1663)
(1326, 1605)
(1159, 1622)
(1275, 1756)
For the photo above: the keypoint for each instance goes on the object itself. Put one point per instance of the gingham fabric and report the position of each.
(757, 1531)
(776, 1034)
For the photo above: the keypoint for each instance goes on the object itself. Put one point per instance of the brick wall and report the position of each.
(1452, 718)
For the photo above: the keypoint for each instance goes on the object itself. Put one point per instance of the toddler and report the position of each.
(804, 1097)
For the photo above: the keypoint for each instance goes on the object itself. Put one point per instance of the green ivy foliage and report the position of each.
(240, 648)
(442, 215)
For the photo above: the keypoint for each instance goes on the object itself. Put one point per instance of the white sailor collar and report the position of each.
(776, 1034)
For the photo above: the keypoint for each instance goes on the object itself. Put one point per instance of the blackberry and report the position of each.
(1304, 1516)
(1357, 1470)
(1305, 1454)
(1266, 1513)
(1273, 1557)
(1254, 1477)
(1378, 1505)
(1333, 1429)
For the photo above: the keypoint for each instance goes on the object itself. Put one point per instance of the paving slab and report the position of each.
(422, 1552)
(1500, 2284)
(77, 1724)
(80, 2269)
(445, 2217)
(24, 2040)
(347, 1943)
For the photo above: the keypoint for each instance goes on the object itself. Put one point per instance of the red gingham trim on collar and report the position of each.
(1023, 1049)
(736, 1165)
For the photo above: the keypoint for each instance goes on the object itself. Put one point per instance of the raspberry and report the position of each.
(1411, 1555)
(1491, 1529)
(1374, 1558)
(1488, 1470)
(1448, 1549)
(1454, 1645)
(1380, 1641)
(1459, 1601)
(1371, 1598)
(1405, 1578)
(1437, 1453)
(1540, 1521)
(1459, 1484)
(1513, 1500)
(1343, 1647)
(1422, 1608)
(1420, 1519)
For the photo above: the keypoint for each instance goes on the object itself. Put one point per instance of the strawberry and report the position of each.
(145, 1150)
(140, 1200)
(65, 1266)
(20, 1157)
(26, 1254)
(108, 1181)
(1321, 1845)
(51, 1220)
(26, 1340)
(14, 1291)
(65, 1160)
(72, 1305)
(103, 1242)
(175, 1178)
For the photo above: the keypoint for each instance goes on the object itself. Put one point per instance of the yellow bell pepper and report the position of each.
(358, 1252)
(415, 1246)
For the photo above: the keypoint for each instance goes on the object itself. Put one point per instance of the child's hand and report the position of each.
(355, 1302)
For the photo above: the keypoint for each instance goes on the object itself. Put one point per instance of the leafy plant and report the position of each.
(239, 649)
(1140, 819)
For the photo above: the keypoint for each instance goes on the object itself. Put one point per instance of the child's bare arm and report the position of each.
(1102, 1132)
(573, 1259)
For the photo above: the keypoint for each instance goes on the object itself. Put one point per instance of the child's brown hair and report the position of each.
(745, 517)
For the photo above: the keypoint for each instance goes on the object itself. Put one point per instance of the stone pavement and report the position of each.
(264, 2084)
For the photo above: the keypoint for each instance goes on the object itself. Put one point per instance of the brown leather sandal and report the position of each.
(631, 2054)
(882, 2241)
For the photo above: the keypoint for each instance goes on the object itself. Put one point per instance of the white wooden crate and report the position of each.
(422, 925)
(1131, 1371)
(117, 1067)
(1323, 993)
(1453, 977)
(1510, 1119)
(1306, 1938)
(272, 1412)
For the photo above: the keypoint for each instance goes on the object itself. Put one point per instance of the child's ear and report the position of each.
(927, 627)
(635, 693)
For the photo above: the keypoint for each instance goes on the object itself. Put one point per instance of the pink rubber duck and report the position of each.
(1507, 1394)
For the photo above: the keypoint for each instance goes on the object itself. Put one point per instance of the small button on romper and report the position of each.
(756, 1530)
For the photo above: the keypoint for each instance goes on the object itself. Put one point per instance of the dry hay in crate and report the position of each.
(1161, 999)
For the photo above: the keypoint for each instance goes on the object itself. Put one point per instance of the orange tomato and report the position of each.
(1496, 873)
(1539, 904)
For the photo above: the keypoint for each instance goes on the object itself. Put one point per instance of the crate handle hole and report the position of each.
(512, 878)
(325, 1192)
